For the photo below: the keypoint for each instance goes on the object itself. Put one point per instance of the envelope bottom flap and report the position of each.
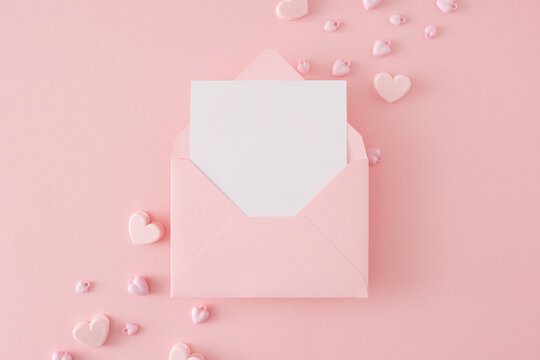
(264, 257)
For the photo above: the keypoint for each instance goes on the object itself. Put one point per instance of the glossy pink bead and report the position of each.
(138, 285)
(61, 355)
(304, 67)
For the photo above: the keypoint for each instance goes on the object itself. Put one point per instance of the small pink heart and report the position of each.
(82, 286)
(371, 4)
(303, 66)
(391, 89)
(341, 67)
(292, 9)
(61, 355)
(130, 329)
(447, 6)
(94, 333)
(182, 352)
(430, 32)
(397, 19)
(381, 47)
(374, 156)
(332, 25)
(143, 232)
(199, 314)
(138, 286)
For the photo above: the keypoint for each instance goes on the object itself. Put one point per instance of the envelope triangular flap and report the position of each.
(285, 257)
(201, 208)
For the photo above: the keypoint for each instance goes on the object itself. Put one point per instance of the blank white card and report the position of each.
(270, 146)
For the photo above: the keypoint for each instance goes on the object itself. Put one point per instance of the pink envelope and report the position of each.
(218, 251)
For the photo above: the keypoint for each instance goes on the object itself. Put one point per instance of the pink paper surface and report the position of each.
(93, 94)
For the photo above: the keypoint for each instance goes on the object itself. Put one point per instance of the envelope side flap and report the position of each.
(199, 210)
(181, 145)
(341, 212)
(355, 144)
(265, 257)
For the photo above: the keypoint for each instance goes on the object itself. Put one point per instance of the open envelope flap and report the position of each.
(201, 209)
(270, 257)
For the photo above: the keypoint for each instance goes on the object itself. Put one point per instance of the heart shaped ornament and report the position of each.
(447, 6)
(397, 19)
(371, 4)
(332, 25)
(382, 47)
(341, 67)
(199, 314)
(303, 66)
(143, 232)
(82, 286)
(130, 329)
(182, 352)
(430, 32)
(61, 355)
(374, 156)
(292, 9)
(94, 333)
(138, 285)
(391, 89)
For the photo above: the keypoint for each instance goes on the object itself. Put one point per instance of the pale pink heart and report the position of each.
(61, 355)
(199, 314)
(138, 285)
(292, 9)
(130, 329)
(332, 25)
(143, 232)
(447, 6)
(303, 66)
(391, 89)
(341, 67)
(182, 352)
(430, 32)
(94, 333)
(381, 47)
(82, 286)
(374, 156)
(371, 4)
(397, 19)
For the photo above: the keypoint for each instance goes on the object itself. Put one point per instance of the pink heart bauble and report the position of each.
(303, 66)
(374, 156)
(430, 32)
(130, 329)
(94, 333)
(143, 232)
(381, 47)
(371, 4)
(332, 25)
(61, 355)
(391, 89)
(292, 9)
(82, 286)
(447, 6)
(341, 67)
(199, 314)
(138, 285)
(397, 19)
(182, 352)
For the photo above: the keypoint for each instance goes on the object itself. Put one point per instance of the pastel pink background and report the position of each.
(93, 93)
